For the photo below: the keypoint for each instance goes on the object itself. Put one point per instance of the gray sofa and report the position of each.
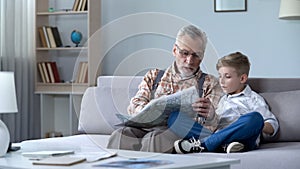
(100, 105)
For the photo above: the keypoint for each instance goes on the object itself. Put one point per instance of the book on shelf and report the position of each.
(56, 36)
(50, 37)
(45, 72)
(46, 36)
(80, 5)
(84, 4)
(49, 72)
(41, 71)
(42, 37)
(55, 72)
(78, 72)
(51, 75)
(85, 73)
(75, 5)
(82, 73)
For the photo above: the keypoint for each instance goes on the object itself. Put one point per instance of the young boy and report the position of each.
(243, 114)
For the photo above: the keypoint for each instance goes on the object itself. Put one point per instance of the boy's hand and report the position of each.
(268, 128)
(204, 108)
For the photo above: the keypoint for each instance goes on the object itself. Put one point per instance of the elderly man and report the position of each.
(185, 72)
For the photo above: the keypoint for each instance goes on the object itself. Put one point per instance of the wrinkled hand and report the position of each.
(204, 108)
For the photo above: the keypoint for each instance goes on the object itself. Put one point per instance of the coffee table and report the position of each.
(15, 160)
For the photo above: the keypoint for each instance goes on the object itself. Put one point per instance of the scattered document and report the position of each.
(134, 163)
(95, 156)
(41, 154)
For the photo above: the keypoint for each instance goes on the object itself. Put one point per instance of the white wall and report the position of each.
(273, 45)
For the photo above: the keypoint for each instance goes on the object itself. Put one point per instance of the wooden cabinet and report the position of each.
(67, 58)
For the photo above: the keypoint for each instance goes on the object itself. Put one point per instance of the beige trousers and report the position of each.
(158, 139)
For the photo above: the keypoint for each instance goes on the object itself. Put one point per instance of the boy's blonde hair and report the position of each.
(236, 60)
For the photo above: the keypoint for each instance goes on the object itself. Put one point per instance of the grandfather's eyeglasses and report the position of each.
(185, 53)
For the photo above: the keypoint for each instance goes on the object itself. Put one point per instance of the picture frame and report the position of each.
(230, 5)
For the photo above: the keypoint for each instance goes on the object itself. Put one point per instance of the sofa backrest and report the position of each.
(283, 96)
(112, 94)
(263, 85)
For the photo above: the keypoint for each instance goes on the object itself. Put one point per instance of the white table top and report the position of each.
(15, 160)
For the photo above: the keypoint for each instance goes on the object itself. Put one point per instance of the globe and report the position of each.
(76, 37)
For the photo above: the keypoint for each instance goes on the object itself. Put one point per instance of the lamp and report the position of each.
(8, 104)
(289, 9)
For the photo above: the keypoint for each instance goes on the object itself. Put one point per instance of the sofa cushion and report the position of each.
(286, 107)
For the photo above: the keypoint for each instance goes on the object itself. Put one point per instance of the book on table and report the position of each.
(60, 161)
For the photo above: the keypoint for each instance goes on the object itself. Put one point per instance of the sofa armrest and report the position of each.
(100, 104)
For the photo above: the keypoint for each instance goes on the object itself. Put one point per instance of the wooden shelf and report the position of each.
(62, 13)
(62, 48)
(61, 88)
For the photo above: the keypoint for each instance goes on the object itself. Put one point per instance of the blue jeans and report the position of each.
(244, 130)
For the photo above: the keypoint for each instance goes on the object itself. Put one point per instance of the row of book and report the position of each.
(49, 72)
(82, 73)
(80, 5)
(50, 37)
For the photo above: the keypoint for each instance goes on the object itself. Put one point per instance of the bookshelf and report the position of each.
(62, 15)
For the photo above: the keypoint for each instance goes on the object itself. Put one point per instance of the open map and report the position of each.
(155, 113)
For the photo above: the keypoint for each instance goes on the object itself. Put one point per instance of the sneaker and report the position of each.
(235, 147)
(188, 146)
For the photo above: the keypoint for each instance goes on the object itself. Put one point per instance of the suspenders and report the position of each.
(161, 73)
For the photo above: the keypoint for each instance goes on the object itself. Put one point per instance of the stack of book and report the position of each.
(82, 73)
(50, 37)
(49, 72)
(80, 5)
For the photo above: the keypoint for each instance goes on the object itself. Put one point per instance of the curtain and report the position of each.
(17, 55)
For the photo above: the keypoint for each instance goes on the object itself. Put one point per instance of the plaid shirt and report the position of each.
(171, 82)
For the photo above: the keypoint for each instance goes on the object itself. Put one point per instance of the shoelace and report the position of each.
(196, 144)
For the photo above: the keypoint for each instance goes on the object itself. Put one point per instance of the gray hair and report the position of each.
(194, 33)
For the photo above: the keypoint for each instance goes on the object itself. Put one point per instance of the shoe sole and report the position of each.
(235, 147)
(177, 148)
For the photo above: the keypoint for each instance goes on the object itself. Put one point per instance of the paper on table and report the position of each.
(47, 153)
(95, 156)
(134, 163)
